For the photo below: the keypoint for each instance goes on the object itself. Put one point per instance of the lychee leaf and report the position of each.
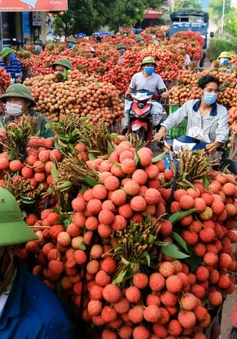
(119, 278)
(137, 159)
(159, 157)
(147, 256)
(91, 182)
(110, 148)
(91, 156)
(173, 251)
(194, 261)
(54, 172)
(83, 246)
(148, 219)
(180, 241)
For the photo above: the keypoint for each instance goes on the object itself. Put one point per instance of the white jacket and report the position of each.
(214, 124)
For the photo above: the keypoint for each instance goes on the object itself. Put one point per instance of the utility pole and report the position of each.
(173, 3)
(222, 19)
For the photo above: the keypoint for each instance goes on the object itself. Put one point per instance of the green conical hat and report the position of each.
(6, 51)
(148, 60)
(18, 91)
(227, 55)
(63, 62)
(120, 46)
(139, 38)
(13, 230)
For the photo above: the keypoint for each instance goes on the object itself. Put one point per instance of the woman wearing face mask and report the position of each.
(19, 101)
(11, 64)
(205, 115)
(148, 79)
(121, 48)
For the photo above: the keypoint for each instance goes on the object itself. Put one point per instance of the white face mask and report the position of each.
(14, 109)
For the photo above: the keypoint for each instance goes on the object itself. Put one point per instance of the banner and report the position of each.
(26, 25)
(33, 5)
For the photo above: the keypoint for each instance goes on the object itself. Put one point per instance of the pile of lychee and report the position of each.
(169, 300)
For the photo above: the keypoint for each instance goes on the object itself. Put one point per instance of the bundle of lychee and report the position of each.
(29, 177)
(91, 255)
(5, 80)
(78, 95)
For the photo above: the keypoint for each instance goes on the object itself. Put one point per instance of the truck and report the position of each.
(191, 20)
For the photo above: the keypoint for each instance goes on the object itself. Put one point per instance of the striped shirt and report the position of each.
(13, 69)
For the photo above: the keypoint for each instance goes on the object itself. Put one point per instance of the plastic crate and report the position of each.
(181, 128)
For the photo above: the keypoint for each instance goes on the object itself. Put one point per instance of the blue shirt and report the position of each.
(13, 69)
(33, 311)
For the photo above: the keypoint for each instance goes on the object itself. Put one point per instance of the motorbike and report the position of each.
(185, 142)
(142, 114)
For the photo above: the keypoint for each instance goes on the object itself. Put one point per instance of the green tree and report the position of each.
(186, 4)
(88, 15)
(231, 22)
(215, 9)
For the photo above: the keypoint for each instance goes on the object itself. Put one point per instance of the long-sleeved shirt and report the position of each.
(214, 124)
(13, 69)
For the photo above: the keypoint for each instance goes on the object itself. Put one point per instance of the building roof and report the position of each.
(152, 14)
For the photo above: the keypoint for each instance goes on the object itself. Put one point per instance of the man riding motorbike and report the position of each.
(28, 308)
(207, 120)
(146, 80)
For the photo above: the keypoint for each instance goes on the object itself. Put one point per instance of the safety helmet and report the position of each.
(120, 46)
(149, 60)
(6, 51)
(227, 55)
(18, 91)
(63, 62)
(139, 39)
(13, 230)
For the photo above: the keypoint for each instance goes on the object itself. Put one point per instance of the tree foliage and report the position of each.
(215, 9)
(87, 16)
(231, 23)
(186, 4)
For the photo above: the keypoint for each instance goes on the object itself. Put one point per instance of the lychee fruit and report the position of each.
(152, 313)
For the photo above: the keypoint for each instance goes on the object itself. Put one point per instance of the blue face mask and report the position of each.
(37, 48)
(12, 57)
(70, 45)
(149, 69)
(210, 98)
(122, 51)
(224, 62)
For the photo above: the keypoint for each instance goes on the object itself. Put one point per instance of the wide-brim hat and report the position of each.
(18, 91)
(13, 230)
(227, 55)
(63, 62)
(6, 51)
(149, 60)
